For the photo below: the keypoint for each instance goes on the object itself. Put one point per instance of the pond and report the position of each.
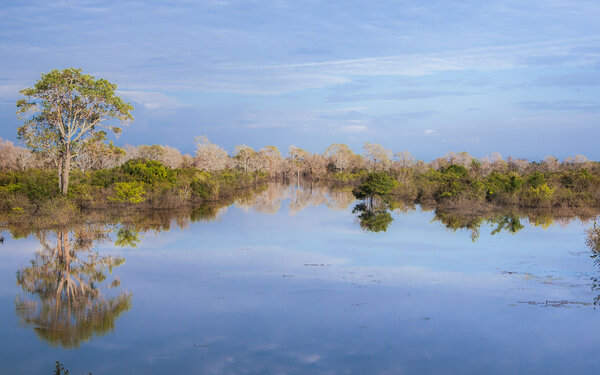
(289, 281)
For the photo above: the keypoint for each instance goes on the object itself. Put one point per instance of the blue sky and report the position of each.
(516, 77)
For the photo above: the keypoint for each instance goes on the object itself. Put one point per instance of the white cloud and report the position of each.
(429, 132)
(312, 358)
(10, 92)
(151, 100)
(353, 129)
(279, 78)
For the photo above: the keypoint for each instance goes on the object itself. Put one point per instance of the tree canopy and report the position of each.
(63, 111)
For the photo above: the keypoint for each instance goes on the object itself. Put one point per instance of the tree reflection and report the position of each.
(62, 301)
(592, 240)
(372, 220)
(510, 222)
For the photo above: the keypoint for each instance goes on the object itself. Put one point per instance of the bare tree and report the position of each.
(517, 165)
(577, 162)
(378, 157)
(98, 155)
(13, 157)
(270, 160)
(340, 156)
(297, 160)
(209, 156)
(246, 158)
(550, 164)
(404, 159)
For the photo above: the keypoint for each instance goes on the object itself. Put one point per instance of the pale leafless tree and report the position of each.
(270, 160)
(550, 164)
(340, 156)
(209, 156)
(378, 157)
(15, 158)
(246, 158)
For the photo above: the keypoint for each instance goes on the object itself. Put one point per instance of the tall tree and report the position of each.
(63, 110)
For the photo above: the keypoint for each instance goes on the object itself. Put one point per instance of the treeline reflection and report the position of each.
(128, 226)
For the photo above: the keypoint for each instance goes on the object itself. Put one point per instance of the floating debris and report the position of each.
(560, 303)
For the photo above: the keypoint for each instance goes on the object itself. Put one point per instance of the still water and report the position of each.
(288, 281)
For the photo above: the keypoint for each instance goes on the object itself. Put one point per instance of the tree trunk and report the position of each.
(59, 165)
(66, 167)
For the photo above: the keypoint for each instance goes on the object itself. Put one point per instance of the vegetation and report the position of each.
(65, 112)
(161, 177)
(67, 116)
(592, 238)
(375, 192)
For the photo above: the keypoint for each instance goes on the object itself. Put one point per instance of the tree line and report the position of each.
(67, 117)
(337, 159)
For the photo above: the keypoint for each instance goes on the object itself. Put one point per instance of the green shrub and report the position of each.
(132, 192)
(536, 180)
(499, 183)
(150, 171)
(105, 177)
(204, 188)
(377, 184)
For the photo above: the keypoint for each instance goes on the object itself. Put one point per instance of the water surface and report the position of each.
(288, 282)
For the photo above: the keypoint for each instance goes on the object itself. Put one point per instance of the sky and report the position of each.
(521, 78)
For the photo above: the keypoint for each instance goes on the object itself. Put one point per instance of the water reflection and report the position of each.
(70, 294)
(62, 299)
(301, 195)
(373, 218)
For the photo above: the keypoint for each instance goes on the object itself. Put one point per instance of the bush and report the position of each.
(536, 180)
(204, 188)
(150, 171)
(105, 177)
(132, 192)
(497, 184)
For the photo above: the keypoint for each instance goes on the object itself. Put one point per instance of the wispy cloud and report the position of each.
(151, 100)
(561, 105)
(398, 95)
(319, 74)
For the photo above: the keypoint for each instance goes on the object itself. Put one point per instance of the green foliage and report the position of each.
(37, 185)
(132, 192)
(127, 237)
(148, 171)
(80, 192)
(375, 221)
(509, 223)
(11, 188)
(543, 192)
(204, 188)
(105, 177)
(60, 369)
(455, 170)
(592, 238)
(451, 181)
(377, 184)
(536, 180)
(500, 183)
(579, 180)
(64, 113)
(347, 177)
